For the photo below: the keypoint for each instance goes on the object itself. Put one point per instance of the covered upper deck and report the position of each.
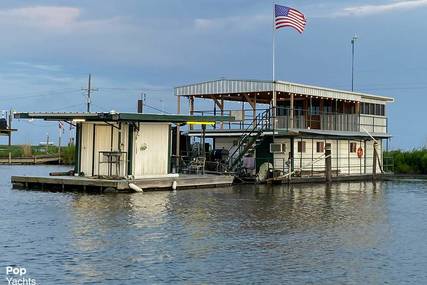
(235, 90)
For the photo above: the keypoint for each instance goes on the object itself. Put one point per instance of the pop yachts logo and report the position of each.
(18, 276)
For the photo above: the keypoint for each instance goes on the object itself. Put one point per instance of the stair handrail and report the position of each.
(256, 122)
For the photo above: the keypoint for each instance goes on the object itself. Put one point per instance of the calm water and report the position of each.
(354, 233)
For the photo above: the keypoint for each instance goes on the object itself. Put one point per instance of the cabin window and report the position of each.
(327, 109)
(320, 146)
(372, 109)
(353, 147)
(377, 109)
(301, 146)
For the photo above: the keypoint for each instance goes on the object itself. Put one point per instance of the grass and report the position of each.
(409, 162)
(67, 152)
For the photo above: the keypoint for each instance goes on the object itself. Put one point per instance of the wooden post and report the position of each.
(220, 105)
(374, 162)
(291, 113)
(59, 146)
(222, 112)
(254, 110)
(252, 103)
(10, 136)
(191, 108)
(178, 137)
(328, 163)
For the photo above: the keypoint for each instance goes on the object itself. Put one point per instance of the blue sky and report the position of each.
(48, 48)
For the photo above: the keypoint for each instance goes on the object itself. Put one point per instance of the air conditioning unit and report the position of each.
(277, 148)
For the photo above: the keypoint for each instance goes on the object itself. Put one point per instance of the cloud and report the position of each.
(36, 66)
(47, 16)
(227, 23)
(364, 10)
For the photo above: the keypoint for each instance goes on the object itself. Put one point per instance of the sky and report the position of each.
(48, 48)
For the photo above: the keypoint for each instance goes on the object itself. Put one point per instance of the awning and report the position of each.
(121, 117)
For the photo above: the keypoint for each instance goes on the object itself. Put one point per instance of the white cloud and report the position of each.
(363, 10)
(47, 16)
(236, 22)
(37, 66)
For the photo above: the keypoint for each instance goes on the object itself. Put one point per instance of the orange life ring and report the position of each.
(359, 152)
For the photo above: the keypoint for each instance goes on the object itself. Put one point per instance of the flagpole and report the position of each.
(274, 70)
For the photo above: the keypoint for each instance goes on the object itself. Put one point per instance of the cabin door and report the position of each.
(151, 149)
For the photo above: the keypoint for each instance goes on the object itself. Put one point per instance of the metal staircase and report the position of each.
(249, 140)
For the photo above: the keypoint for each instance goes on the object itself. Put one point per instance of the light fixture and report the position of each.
(201, 123)
(78, 120)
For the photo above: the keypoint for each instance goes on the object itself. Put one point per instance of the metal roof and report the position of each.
(121, 117)
(226, 87)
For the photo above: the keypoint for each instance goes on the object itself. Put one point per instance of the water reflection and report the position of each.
(276, 223)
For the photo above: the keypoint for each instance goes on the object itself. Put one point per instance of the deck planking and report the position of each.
(87, 183)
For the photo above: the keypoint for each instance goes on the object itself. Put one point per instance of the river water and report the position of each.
(348, 233)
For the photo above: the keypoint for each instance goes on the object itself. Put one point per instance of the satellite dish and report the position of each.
(263, 171)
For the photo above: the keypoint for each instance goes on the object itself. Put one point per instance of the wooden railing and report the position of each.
(304, 119)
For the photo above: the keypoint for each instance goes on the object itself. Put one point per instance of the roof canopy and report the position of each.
(121, 117)
(235, 90)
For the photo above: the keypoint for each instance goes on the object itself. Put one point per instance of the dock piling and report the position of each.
(328, 163)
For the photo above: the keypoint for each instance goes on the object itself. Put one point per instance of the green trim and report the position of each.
(169, 149)
(78, 149)
(93, 149)
(126, 117)
(130, 149)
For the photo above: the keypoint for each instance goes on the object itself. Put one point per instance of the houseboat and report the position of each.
(125, 151)
(285, 131)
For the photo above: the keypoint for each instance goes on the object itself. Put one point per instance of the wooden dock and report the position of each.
(87, 184)
(42, 159)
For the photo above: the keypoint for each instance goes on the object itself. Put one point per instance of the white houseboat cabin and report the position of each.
(288, 126)
(123, 144)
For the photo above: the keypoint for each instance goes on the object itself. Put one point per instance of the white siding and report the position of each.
(86, 149)
(373, 124)
(343, 161)
(151, 149)
(280, 159)
(103, 142)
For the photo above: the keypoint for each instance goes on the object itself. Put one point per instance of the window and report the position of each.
(301, 146)
(320, 146)
(372, 109)
(353, 147)
(377, 109)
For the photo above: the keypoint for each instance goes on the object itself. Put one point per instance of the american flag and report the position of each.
(289, 17)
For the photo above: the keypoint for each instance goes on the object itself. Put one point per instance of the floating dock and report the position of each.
(87, 184)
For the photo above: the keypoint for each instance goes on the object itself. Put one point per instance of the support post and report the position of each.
(374, 162)
(222, 113)
(191, 108)
(252, 103)
(178, 136)
(254, 110)
(203, 145)
(10, 136)
(220, 104)
(291, 112)
(59, 146)
(328, 163)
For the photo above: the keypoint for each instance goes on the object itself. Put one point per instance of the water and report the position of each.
(350, 233)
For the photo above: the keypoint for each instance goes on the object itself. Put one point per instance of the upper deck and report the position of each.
(296, 107)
